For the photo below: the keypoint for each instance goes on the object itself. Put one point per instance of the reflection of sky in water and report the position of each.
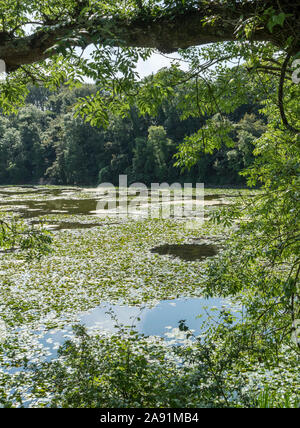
(157, 321)
(168, 313)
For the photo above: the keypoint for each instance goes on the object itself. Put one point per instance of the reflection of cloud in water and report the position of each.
(154, 321)
(161, 320)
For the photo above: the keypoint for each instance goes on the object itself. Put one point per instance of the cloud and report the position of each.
(154, 63)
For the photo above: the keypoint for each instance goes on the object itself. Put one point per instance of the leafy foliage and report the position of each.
(130, 370)
(31, 241)
(44, 142)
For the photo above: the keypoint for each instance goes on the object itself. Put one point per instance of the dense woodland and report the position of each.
(45, 143)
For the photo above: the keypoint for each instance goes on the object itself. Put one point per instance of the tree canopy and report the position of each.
(43, 42)
(44, 143)
(166, 26)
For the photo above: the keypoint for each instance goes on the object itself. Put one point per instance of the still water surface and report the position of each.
(33, 202)
(162, 320)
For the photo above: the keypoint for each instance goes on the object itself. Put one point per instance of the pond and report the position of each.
(102, 264)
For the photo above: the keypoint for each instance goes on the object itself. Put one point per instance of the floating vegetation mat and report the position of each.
(94, 260)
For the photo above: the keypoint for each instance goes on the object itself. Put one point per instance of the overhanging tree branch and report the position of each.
(168, 31)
